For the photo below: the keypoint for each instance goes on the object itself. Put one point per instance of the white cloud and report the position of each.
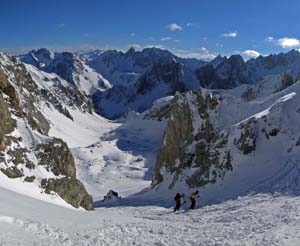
(176, 40)
(132, 34)
(285, 42)
(135, 46)
(288, 42)
(163, 39)
(174, 27)
(154, 46)
(195, 53)
(251, 53)
(189, 24)
(230, 35)
(203, 49)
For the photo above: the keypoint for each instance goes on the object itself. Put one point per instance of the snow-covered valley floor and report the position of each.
(109, 155)
(253, 220)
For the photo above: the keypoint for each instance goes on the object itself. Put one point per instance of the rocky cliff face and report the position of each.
(118, 81)
(227, 146)
(27, 153)
(56, 157)
(192, 142)
(213, 139)
(274, 64)
(225, 74)
(70, 67)
(141, 78)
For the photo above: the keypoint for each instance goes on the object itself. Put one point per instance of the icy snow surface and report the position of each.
(254, 220)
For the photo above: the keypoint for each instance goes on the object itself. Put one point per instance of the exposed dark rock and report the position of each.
(298, 142)
(247, 140)
(8, 89)
(25, 84)
(274, 132)
(18, 155)
(286, 81)
(7, 123)
(167, 73)
(54, 154)
(71, 190)
(227, 74)
(111, 195)
(249, 94)
(159, 113)
(29, 179)
(177, 154)
(177, 136)
(57, 157)
(54, 101)
(12, 172)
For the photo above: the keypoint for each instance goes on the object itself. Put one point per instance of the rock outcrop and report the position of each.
(57, 158)
(192, 145)
(26, 151)
(71, 190)
(227, 145)
(229, 73)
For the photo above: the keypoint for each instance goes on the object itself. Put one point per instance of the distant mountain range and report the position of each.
(118, 81)
(226, 126)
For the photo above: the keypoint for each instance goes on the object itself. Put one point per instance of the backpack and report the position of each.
(192, 196)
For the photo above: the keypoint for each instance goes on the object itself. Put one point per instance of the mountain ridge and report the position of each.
(196, 134)
(117, 80)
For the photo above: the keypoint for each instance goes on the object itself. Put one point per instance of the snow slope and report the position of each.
(262, 136)
(26, 145)
(121, 156)
(243, 222)
(109, 155)
(71, 67)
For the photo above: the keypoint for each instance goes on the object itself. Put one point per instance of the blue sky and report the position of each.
(190, 28)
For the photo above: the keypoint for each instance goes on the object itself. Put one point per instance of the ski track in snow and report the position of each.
(245, 221)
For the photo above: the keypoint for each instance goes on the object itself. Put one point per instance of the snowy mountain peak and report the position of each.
(217, 60)
(236, 60)
(39, 58)
(130, 51)
(69, 66)
(32, 161)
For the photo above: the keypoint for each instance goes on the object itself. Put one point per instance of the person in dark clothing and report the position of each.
(193, 197)
(177, 199)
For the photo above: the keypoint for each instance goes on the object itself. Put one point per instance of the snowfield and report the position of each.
(255, 203)
(254, 220)
(109, 155)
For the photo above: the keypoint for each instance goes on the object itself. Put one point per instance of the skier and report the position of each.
(177, 199)
(193, 197)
